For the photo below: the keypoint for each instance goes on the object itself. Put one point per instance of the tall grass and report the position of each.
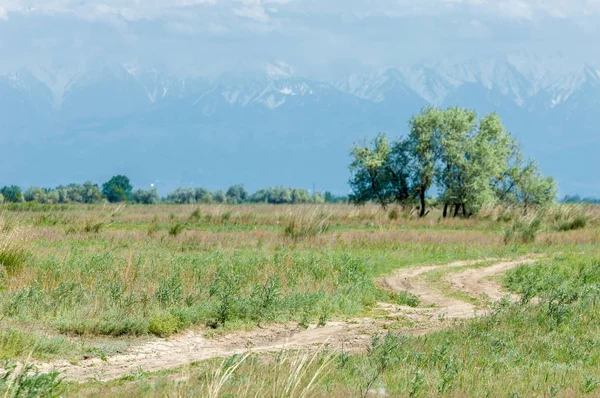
(13, 244)
(569, 217)
(524, 230)
(304, 224)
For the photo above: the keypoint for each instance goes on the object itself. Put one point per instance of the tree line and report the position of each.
(577, 199)
(119, 189)
(464, 161)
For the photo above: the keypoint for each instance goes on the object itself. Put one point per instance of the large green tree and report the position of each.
(471, 162)
(369, 179)
(424, 146)
(117, 189)
(12, 194)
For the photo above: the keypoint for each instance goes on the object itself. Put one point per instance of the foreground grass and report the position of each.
(92, 278)
(108, 280)
(520, 350)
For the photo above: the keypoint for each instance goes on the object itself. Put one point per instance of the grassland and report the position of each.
(83, 283)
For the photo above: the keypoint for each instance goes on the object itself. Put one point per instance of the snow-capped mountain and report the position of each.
(283, 128)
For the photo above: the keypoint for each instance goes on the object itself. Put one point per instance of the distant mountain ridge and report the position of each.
(269, 126)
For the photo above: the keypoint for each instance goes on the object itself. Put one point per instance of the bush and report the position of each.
(163, 325)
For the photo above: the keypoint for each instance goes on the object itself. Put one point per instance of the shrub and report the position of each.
(163, 325)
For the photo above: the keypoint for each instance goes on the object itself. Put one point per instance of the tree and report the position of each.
(532, 189)
(369, 180)
(471, 162)
(423, 144)
(90, 192)
(117, 189)
(236, 194)
(398, 169)
(219, 197)
(522, 183)
(203, 195)
(182, 196)
(12, 194)
(35, 194)
(145, 197)
(472, 156)
(300, 196)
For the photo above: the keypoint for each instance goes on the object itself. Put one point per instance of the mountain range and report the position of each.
(266, 125)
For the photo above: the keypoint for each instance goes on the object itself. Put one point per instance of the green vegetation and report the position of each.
(83, 279)
(76, 291)
(471, 163)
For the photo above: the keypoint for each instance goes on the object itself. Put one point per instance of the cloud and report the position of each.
(263, 11)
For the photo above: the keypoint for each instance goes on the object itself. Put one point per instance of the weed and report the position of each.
(380, 356)
(27, 382)
(153, 227)
(13, 244)
(300, 225)
(590, 384)
(523, 230)
(176, 229)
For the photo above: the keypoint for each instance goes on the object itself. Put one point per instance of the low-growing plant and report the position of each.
(176, 228)
(153, 227)
(28, 382)
(13, 244)
(524, 230)
(195, 216)
(164, 325)
(569, 217)
(299, 225)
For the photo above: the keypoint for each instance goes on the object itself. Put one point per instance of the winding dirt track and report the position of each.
(435, 306)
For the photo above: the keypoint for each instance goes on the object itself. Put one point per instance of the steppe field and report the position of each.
(298, 301)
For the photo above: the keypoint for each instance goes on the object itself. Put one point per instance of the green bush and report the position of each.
(163, 325)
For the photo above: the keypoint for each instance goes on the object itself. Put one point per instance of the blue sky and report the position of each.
(320, 38)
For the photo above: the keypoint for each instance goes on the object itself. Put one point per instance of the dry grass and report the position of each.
(13, 244)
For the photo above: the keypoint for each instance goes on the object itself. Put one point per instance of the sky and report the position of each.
(319, 38)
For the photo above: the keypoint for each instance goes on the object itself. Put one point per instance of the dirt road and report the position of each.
(436, 306)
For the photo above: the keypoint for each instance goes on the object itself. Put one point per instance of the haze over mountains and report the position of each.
(266, 125)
